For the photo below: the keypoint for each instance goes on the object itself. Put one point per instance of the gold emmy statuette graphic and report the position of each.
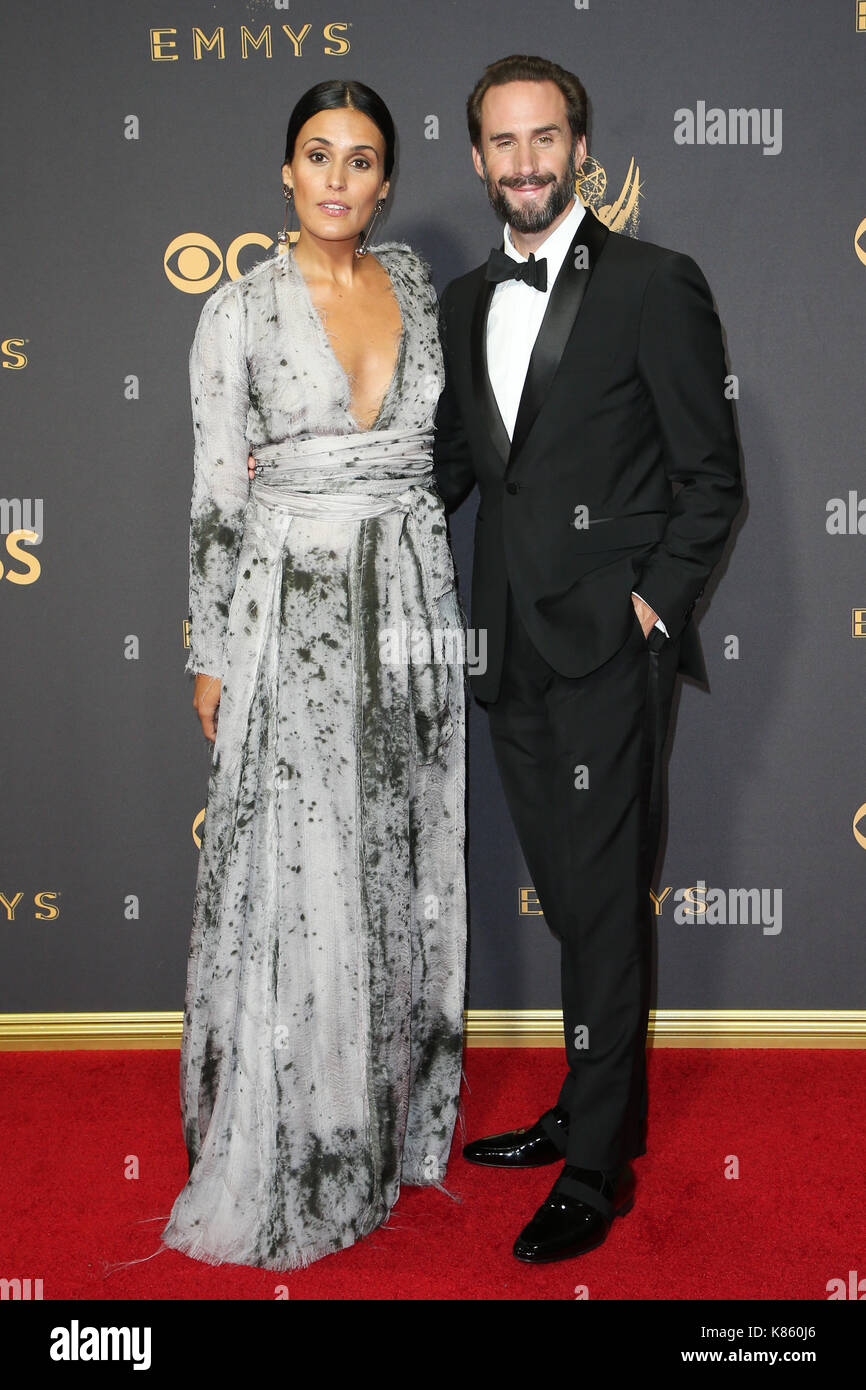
(623, 214)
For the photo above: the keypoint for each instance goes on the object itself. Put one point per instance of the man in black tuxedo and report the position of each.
(584, 394)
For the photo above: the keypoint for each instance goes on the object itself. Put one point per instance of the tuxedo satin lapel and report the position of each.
(482, 389)
(559, 319)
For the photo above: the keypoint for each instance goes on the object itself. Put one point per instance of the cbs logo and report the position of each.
(194, 263)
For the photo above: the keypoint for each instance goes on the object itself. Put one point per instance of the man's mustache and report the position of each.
(529, 181)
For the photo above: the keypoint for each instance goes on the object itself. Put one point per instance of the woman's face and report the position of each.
(337, 173)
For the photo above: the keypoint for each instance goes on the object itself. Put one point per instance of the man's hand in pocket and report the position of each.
(646, 617)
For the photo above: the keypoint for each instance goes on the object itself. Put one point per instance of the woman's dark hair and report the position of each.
(335, 95)
(522, 68)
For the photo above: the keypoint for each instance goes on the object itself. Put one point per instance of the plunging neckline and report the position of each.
(329, 347)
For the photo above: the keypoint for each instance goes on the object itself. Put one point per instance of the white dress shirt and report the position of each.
(514, 318)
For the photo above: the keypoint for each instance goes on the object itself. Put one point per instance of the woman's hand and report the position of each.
(206, 698)
(251, 466)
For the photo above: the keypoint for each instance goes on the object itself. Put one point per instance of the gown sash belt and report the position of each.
(354, 477)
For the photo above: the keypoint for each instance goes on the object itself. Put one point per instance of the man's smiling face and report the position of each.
(528, 156)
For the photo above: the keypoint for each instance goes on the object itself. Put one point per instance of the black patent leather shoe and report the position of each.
(522, 1148)
(577, 1215)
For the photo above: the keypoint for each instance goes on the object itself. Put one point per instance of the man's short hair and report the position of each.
(520, 67)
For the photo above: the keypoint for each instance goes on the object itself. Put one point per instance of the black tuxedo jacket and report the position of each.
(623, 473)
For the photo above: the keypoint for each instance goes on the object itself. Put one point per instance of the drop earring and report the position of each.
(363, 248)
(283, 239)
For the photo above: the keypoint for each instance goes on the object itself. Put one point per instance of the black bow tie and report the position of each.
(501, 267)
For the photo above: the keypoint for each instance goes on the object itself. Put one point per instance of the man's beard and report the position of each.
(535, 218)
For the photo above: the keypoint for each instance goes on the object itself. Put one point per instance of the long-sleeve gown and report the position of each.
(322, 1040)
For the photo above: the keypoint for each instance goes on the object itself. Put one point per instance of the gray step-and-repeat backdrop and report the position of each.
(142, 146)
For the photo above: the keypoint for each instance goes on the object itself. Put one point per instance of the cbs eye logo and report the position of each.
(194, 263)
(859, 825)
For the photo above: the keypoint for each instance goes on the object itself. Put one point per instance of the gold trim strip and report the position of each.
(812, 1028)
(808, 1028)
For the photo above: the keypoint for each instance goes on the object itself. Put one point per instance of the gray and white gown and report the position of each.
(322, 1041)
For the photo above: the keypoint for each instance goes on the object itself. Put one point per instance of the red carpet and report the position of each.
(793, 1220)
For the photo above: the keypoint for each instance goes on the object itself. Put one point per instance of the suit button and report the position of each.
(512, 487)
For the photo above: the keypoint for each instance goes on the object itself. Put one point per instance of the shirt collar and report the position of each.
(554, 247)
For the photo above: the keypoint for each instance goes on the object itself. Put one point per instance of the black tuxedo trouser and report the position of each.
(590, 841)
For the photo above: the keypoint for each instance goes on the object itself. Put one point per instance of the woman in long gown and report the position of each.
(322, 1039)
